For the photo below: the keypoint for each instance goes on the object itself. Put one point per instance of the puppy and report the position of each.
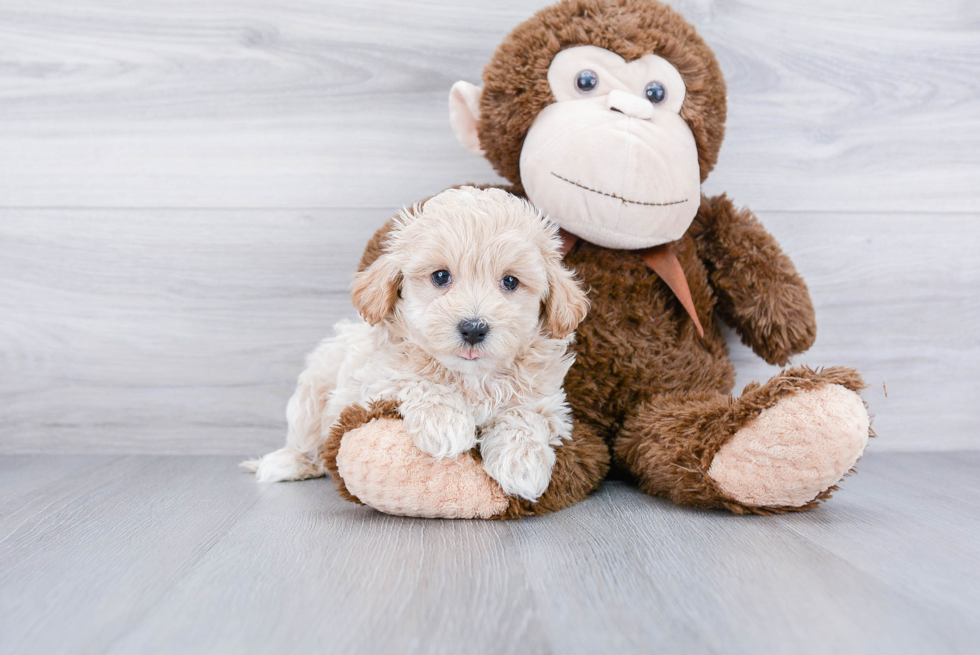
(468, 314)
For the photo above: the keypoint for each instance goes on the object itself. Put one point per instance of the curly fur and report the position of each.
(504, 391)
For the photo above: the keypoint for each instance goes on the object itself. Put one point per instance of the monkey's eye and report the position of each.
(586, 81)
(509, 283)
(441, 277)
(655, 92)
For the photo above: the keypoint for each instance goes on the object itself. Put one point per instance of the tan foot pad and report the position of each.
(794, 450)
(382, 467)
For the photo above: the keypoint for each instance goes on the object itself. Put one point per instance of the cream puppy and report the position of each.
(468, 314)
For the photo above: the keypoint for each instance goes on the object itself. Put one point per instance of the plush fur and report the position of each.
(413, 486)
(793, 450)
(650, 396)
(693, 427)
(642, 370)
(503, 392)
(516, 87)
(375, 459)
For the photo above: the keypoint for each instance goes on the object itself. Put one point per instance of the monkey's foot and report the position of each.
(374, 462)
(382, 468)
(779, 447)
(795, 450)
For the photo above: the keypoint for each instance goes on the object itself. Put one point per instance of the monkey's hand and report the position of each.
(759, 292)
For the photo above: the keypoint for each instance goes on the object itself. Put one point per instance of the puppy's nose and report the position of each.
(473, 330)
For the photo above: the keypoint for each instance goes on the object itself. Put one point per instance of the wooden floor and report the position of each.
(146, 554)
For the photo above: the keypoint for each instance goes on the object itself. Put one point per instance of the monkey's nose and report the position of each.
(632, 105)
(473, 330)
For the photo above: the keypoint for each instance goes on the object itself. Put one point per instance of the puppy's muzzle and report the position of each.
(473, 330)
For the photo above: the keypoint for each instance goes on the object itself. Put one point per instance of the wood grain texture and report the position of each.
(184, 331)
(150, 329)
(185, 187)
(95, 550)
(188, 554)
(304, 103)
(174, 331)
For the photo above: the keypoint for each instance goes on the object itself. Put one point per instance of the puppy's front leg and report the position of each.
(517, 451)
(439, 421)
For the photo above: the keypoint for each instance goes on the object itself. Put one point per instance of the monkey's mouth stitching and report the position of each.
(613, 195)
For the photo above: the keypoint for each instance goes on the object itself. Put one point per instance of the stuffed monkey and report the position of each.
(608, 115)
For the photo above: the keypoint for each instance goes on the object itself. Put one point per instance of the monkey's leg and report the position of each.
(780, 447)
(374, 462)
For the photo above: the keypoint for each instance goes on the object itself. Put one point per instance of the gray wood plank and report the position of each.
(24, 477)
(890, 519)
(302, 103)
(24, 474)
(129, 329)
(184, 331)
(187, 554)
(670, 579)
(96, 550)
(307, 568)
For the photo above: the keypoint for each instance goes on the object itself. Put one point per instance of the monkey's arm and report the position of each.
(759, 292)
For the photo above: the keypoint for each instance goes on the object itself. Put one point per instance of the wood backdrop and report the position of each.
(186, 185)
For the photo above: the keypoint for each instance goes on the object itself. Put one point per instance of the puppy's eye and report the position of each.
(441, 278)
(655, 92)
(509, 283)
(586, 81)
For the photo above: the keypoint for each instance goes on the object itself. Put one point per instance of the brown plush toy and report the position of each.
(607, 116)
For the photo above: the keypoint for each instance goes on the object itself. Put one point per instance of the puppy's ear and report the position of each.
(566, 305)
(374, 290)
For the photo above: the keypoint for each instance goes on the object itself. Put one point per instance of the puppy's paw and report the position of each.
(284, 464)
(521, 464)
(441, 431)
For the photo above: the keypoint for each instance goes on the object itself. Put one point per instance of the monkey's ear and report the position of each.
(374, 290)
(464, 114)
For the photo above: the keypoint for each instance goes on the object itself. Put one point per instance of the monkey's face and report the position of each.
(611, 160)
(614, 152)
